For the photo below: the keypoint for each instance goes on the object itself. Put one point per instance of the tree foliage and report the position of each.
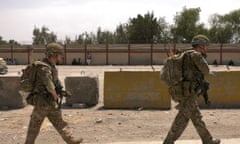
(232, 21)
(143, 28)
(148, 28)
(2, 42)
(219, 31)
(104, 37)
(186, 25)
(121, 34)
(43, 36)
(225, 28)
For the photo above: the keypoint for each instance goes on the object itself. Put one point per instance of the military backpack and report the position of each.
(172, 74)
(28, 79)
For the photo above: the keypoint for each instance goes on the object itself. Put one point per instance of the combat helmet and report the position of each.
(54, 48)
(200, 40)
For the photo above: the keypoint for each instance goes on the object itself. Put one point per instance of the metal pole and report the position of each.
(65, 52)
(151, 53)
(85, 53)
(221, 53)
(107, 54)
(12, 53)
(129, 54)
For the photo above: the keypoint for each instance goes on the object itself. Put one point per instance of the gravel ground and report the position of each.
(98, 125)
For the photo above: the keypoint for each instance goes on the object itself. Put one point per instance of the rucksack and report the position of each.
(28, 78)
(172, 71)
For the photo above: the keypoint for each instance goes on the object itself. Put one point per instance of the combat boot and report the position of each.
(168, 142)
(213, 141)
(216, 141)
(74, 140)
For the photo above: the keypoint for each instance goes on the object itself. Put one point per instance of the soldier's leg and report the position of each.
(200, 126)
(35, 123)
(55, 117)
(177, 128)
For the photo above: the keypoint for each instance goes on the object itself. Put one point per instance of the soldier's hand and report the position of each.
(55, 98)
(66, 94)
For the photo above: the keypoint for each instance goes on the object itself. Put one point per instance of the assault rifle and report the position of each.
(204, 87)
(61, 93)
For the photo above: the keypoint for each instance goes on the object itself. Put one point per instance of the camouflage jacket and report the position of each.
(46, 78)
(195, 66)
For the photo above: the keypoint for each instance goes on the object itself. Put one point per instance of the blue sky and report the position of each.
(72, 17)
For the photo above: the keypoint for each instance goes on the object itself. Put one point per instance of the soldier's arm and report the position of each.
(200, 62)
(46, 77)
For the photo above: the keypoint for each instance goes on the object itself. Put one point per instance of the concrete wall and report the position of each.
(118, 58)
(134, 90)
(38, 56)
(83, 90)
(158, 58)
(5, 55)
(224, 90)
(140, 59)
(213, 56)
(98, 58)
(231, 56)
(144, 89)
(71, 56)
(9, 96)
(118, 53)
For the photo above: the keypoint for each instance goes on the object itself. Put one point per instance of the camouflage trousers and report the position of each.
(188, 109)
(55, 117)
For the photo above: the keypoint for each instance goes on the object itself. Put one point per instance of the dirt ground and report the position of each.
(99, 126)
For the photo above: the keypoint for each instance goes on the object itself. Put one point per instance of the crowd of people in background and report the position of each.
(11, 61)
(75, 61)
(78, 61)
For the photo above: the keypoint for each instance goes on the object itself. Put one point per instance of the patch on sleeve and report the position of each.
(45, 71)
(197, 53)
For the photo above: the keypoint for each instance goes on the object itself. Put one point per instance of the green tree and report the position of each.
(67, 40)
(232, 20)
(2, 42)
(219, 31)
(86, 38)
(43, 36)
(13, 42)
(187, 25)
(104, 37)
(143, 29)
(121, 34)
(165, 33)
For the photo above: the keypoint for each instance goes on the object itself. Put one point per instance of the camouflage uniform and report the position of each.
(46, 106)
(195, 66)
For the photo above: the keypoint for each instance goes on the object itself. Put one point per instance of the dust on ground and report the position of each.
(98, 125)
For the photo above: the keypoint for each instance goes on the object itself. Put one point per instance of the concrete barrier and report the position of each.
(9, 96)
(134, 90)
(83, 89)
(224, 90)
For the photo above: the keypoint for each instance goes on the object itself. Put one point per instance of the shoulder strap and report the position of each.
(40, 63)
(37, 63)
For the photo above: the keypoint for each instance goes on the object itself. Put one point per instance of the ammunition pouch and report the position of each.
(40, 99)
(182, 91)
(31, 99)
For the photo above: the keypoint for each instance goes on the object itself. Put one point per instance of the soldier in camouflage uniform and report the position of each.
(46, 98)
(194, 67)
